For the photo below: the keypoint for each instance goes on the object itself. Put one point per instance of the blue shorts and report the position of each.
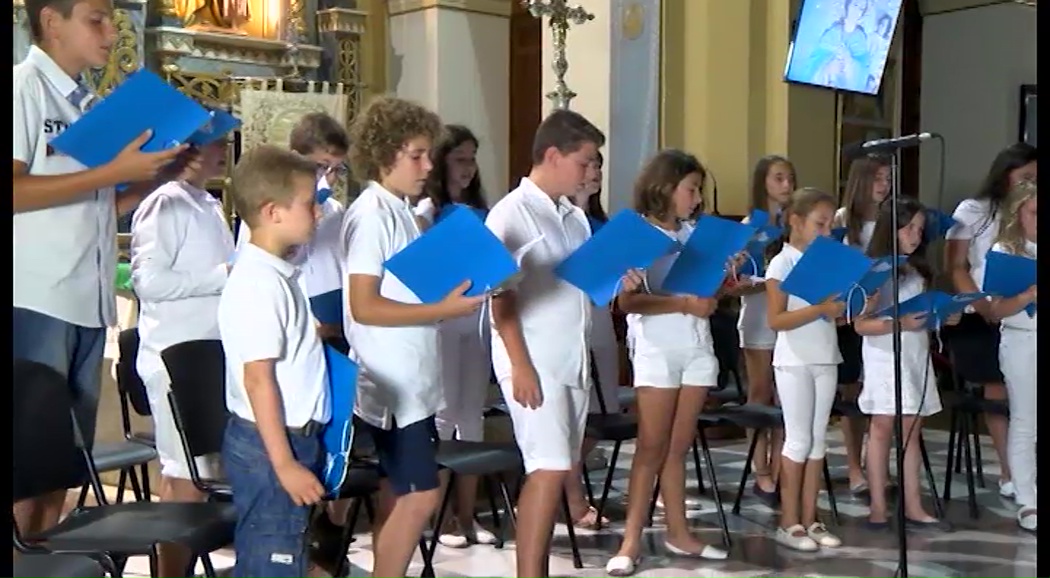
(72, 350)
(271, 535)
(407, 456)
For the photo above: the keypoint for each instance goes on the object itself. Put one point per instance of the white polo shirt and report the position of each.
(976, 224)
(65, 257)
(401, 365)
(263, 314)
(867, 229)
(320, 261)
(180, 244)
(657, 334)
(555, 316)
(815, 343)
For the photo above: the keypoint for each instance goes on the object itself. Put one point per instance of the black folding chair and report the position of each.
(49, 455)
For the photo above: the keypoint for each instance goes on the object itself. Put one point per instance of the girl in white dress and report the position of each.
(919, 397)
(1017, 351)
(867, 187)
(772, 183)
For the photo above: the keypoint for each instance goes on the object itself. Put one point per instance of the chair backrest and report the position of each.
(128, 380)
(726, 340)
(198, 385)
(47, 451)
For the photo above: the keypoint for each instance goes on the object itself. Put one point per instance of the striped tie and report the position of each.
(82, 98)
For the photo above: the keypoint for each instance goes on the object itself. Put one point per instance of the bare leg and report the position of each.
(913, 509)
(398, 536)
(672, 477)
(853, 438)
(791, 477)
(997, 428)
(174, 559)
(537, 507)
(38, 514)
(879, 436)
(759, 366)
(812, 481)
(579, 506)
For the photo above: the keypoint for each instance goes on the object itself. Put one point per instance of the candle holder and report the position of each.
(559, 16)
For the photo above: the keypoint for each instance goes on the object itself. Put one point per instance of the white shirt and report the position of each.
(977, 225)
(425, 210)
(660, 333)
(320, 261)
(1020, 320)
(65, 257)
(180, 244)
(263, 314)
(815, 343)
(401, 365)
(866, 230)
(555, 316)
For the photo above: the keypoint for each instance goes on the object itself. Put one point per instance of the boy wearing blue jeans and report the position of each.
(277, 391)
(393, 334)
(65, 217)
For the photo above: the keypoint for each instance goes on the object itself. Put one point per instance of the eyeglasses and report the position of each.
(340, 169)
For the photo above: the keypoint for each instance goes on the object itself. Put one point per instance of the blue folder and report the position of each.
(457, 249)
(839, 233)
(218, 126)
(142, 102)
(826, 268)
(1007, 275)
(323, 194)
(938, 224)
(937, 306)
(449, 208)
(876, 278)
(756, 249)
(626, 242)
(328, 307)
(338, 435)
(700, 268)
(595, 223)
(758, 218)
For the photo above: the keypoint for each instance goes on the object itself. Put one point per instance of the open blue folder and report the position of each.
(328, 307)
(457, 249)
(626, 242)
(756, 249)
(447, 210)
(839, 233)
(142, 102)
(1007, 275)
(758, 218)
(937, 306)
(700, 268)
(938, 223)
(876, 278)
(218, 126)
(338, 435)
(826, 268)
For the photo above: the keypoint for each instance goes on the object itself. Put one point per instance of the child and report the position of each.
(605, 353)
(65, 217)
(918, 383)
(674, 364)
(277, 392)
(805, 360)
(180, 246)
(323, 140)
(977, 223)
(772, 182)
(466, 362)
(393, 335)
(540, 340)
(1017, 351)
(867, 186)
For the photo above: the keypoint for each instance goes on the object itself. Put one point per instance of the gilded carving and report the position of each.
(124, 59)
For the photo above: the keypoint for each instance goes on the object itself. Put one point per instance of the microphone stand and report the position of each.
(898, 422)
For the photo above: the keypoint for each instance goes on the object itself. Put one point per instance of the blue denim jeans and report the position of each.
(271, 535)
(72, 350)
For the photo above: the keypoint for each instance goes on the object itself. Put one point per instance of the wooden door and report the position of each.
(526, 88)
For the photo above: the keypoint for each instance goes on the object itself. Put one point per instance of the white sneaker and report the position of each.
(796, 537)
(454, 540)
(621, 566)
(819, 533)
(1026, 519)
(1007, 490)
(482, 536)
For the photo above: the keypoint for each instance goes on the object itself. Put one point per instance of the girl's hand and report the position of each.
(870, 304)
(699, 306)
(953, 319)
(1029, 295)
(913, 322)
(831, 308)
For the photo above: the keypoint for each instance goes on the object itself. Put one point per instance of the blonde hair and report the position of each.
(266, 174)
(1011, 234)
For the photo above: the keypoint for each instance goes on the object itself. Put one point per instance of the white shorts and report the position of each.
(752, 325)
(169, 445)
(696, 366)
(549, 437)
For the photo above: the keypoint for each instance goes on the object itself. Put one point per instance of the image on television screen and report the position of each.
(842, 44)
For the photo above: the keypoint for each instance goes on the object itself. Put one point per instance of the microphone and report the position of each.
(888, 144)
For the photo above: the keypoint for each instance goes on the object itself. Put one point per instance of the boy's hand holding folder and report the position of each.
(434, 269)
(602, 266)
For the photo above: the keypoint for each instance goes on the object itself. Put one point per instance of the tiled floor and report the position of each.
(990, 546)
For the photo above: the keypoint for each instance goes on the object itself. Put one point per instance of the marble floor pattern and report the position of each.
(992, 545)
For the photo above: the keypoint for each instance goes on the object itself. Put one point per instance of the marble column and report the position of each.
(452, 56)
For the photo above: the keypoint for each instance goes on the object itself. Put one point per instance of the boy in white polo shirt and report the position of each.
(277, 391)
(540, 341)
(392, 334)
(65, 217)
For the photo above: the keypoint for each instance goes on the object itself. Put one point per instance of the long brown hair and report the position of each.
(1011, 234)
(859, 185)
(659, 179)
(882, 237)
(437, 180)
(759, 193)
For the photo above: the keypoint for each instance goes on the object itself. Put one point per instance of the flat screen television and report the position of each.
(842, 44)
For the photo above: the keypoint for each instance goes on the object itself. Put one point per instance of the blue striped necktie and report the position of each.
(82, 98)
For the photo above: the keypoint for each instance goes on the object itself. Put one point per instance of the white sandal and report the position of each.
(621, 566)
(708, 552)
